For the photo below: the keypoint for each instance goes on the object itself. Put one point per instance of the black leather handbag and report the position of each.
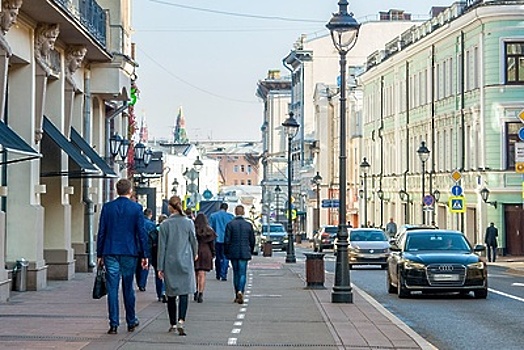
(99, 287)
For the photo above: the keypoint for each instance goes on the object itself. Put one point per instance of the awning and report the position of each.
(53, 143)
(88, 151)
(10, 142)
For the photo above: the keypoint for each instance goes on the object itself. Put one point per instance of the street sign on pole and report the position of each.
(428, 200)
(457, 204)
(456, 190)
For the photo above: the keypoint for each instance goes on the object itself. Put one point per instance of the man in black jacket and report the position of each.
(491, 242)
(239, 243)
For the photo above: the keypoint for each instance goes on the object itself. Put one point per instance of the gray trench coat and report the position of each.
(177, 249)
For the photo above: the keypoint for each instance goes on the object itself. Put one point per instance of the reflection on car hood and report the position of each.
(369, 245)
(428, 258)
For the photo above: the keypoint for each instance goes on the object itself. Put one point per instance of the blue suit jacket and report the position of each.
(121, 229)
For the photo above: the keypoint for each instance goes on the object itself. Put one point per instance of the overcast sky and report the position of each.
(207, 56)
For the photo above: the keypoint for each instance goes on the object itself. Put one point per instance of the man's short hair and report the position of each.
(148, 212)
(223, 206)
(239, 210)
(123, 187)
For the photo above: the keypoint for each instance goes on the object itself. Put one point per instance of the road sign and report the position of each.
(207, 194)
(456, 175)
(330, 203)
(519, 167)
(521, 134)
(428, 200)
(521, 116)
(456, 190)
(457, 204)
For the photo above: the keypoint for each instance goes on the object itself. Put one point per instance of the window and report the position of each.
(242, 182)
(512, 131)
(242, 169)
(235, 169)
(249, 182)
(514, 53)
(249, 169)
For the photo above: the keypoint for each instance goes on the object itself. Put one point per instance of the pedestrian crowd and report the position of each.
(180, 249)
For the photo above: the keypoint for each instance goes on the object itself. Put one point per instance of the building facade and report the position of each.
(455, 83)
(68, 71)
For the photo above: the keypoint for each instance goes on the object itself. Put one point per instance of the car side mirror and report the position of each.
(392, 241)
(394, 247)
(479, 248)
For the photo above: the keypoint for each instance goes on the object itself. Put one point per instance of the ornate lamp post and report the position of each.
(175, 185)
(198, 165)
(364, 167)
(291, 127)
(423, 154)
(278, 190)
(344, 31)
(317, 180)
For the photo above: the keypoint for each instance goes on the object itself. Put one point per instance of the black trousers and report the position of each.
(172, 308)
(492, 253)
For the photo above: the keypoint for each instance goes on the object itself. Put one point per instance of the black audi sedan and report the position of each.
(436, 261)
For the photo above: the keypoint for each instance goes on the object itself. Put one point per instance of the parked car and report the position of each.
(276, 233)
(325, 238)
(436, 261)
(368, 246)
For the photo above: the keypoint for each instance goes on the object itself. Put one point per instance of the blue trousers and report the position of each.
(221, 262)
(239, 275)
(120, 267)
(141, 275)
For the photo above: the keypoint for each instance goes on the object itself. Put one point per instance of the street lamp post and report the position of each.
(291, 127)
(423, 154)
(364, 167)
(344, 31)
(317, 180)
(198, 165)
(277, 193)
(175, 184)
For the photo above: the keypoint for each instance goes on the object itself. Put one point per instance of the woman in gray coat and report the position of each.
(177, 251)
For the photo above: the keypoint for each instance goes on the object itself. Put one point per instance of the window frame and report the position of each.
(516, 56)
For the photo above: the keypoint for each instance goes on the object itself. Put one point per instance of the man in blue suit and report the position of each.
(121, 241)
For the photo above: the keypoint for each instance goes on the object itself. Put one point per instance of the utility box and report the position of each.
(267, 249)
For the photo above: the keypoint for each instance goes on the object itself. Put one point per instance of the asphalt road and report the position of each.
(451, 321)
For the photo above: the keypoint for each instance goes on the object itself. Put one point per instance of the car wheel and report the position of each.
(402, 292)
(391, 287)
(481, 293)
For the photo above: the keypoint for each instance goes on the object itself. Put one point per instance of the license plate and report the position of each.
(445, 277)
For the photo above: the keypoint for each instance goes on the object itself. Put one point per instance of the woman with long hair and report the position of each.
(206, 252)
(177, 251)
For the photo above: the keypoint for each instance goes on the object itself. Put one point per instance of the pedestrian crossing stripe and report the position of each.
(457, 204)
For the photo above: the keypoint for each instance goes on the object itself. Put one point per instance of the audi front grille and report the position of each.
(446, 275)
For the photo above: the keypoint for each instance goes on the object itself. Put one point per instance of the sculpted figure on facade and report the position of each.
(8, 16)
(45, 38)
(74, 55)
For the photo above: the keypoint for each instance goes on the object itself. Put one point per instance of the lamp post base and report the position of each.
(342, 296)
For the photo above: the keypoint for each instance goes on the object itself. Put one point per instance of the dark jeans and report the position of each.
(492, 252)
(159, 283)
(120, 267)
(221, 262)
(141, 275)
(239, 275)
(172, 308)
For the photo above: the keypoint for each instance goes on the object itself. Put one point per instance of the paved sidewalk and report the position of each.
(279, 312)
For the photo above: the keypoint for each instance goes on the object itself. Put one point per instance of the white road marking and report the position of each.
(243, 309)
(235, 331)
(506, 295)
(232, 341)
(516, 284)
(237, 323)
(241, 316)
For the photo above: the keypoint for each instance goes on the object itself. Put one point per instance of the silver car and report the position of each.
(368, 246)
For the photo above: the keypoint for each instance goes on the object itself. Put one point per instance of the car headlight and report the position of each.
(354, 250)
(477, 266)
(411, 265)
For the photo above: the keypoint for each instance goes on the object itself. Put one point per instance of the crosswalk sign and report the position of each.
(457, 204)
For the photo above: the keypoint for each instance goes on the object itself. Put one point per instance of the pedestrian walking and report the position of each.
(239, 243)
(391, 228)
(141, 274)
(206, 252)
(218, 222)
(491, 242)
(153, 242)
(177, 251)
(122, 240)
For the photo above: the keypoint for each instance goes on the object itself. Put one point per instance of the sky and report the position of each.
(207, 56)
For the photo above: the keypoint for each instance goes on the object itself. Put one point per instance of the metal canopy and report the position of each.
(12, 143)
(83, 146)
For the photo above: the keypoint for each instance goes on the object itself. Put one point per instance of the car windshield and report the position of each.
(273, 229)
(369, 236)
(436, 241)
(332, 230)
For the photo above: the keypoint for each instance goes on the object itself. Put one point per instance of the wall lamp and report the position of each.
(404, 196)
(436, 195)
(120, 146)
(484, 193)
(381, 196)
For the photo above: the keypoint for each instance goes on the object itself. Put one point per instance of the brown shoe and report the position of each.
(240, 298)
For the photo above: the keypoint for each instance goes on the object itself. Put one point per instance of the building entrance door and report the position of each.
(514, 229)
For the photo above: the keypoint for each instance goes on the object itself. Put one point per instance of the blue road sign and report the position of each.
(521, 134)
(428, 200)
(456, 190)
(330, 203)
(457, 204)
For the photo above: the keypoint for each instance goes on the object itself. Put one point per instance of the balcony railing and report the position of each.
(90, 15)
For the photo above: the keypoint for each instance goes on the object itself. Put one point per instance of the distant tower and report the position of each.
(179, 132)
(143, 131)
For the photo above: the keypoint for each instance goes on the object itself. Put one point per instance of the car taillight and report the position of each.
(325, 235)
